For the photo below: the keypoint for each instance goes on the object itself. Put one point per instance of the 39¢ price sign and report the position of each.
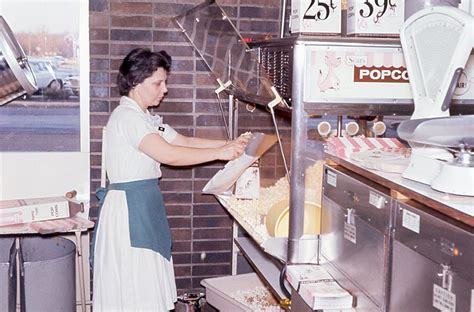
(375, 16)
(376, 9)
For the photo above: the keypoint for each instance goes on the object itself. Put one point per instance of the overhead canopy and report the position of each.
(225, 53)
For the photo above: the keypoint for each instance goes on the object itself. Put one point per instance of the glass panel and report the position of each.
(225, 53)
(49, 120)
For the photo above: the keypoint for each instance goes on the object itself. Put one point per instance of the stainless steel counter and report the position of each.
(460, 208)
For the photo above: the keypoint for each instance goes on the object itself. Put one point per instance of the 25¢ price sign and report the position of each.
(320, 10)
(316, 16)
(376, 9)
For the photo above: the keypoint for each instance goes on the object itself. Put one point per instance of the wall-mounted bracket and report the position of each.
(222, 86)
(277, 100)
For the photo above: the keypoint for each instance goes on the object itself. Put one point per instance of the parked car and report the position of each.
(49, 83)
(44, 74)
(73, 84)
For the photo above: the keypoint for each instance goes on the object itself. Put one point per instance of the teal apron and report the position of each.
(148, 224)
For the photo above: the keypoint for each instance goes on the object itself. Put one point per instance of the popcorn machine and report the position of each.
(314, 78)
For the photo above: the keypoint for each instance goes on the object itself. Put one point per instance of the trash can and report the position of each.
(47, 274)
(7, 274)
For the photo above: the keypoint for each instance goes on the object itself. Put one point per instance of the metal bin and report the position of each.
(433, 261)
(355, 234)
(47, 274)
(7, 274)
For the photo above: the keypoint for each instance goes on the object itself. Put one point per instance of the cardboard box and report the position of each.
(248, 185)
(375, 17)
(318, 288)
(18, 211)
(316, 17)
(345, 146)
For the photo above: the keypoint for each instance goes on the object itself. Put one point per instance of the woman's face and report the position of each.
(152, 90)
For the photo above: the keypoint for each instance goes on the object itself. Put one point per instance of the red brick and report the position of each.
(132, 21)
(97, 19)
(99, 49)
(180, 270)
(211, 257)
(212, 245)
(211, 270)
(168, 36)
(180, 78)
(176, 172)
(177, 223)
(211, 234)
(180, 234)
(130, 35)
(178, 210)
(176, 186)
(180, 92)
(214, 209)
(211, 222)
(180, 257)
(210, 121)
(98, 34)
(183, 283)
(99, 64)
(178, 120)
(99, 106)
(177, 198)
(181, 246)
(131, 7)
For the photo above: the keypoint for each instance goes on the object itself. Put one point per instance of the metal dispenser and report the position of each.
(16, 76)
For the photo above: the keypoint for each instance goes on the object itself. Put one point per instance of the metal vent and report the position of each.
(277, 62)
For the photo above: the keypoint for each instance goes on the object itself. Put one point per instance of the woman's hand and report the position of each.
(244, 138)
(233, 149)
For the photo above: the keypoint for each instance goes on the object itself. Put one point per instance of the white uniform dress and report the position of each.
(128, 278)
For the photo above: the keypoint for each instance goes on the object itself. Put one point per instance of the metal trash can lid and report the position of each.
(16, 59)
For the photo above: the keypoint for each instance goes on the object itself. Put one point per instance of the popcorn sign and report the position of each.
(375, 17)
(316, 16)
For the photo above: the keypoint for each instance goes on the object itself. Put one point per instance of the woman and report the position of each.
(133, 268)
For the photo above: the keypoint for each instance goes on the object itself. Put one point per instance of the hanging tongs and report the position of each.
(271, 106)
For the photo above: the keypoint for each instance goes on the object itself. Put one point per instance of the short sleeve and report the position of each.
(135, 127)
(167, 132)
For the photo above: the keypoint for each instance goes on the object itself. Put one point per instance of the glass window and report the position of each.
(50, 33)
(44, 138)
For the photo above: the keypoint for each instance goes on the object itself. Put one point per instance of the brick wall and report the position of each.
(201, 228)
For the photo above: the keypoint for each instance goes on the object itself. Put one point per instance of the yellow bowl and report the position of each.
(277, 220)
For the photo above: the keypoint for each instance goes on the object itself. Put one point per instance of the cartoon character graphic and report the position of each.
(331, 81)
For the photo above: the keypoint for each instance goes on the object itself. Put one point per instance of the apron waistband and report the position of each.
(134, 185)
(125, 186)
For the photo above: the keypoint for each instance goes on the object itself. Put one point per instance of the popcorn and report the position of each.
(258, 298)
(251, 213)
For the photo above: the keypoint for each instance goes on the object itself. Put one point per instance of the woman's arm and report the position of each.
(182, 140)
(160, 150)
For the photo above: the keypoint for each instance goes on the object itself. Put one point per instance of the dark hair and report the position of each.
(138, 65)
